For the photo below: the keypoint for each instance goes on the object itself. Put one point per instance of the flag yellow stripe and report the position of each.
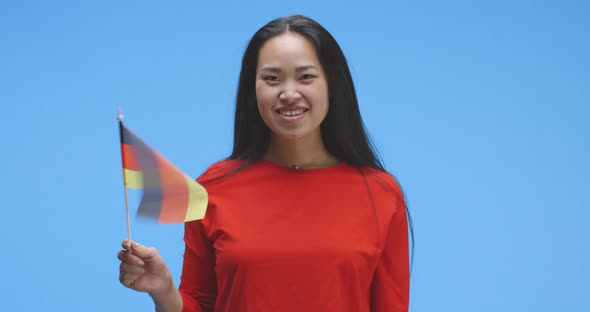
(197, 200)
(133, 179)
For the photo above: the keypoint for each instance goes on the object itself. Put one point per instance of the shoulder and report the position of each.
(384, 185)
(218, 170)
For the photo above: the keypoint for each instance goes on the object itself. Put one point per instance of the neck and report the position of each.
(306, 153)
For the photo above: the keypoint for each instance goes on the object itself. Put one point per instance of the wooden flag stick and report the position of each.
(120, 119)
(127, 215)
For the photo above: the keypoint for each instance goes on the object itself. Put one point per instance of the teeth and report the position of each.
(292, 112)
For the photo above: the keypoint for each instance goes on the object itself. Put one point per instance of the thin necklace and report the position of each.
(300, 167)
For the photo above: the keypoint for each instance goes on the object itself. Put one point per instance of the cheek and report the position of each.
(318, 95)
(264, 96)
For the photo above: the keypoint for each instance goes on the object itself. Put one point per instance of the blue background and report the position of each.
(480, 108)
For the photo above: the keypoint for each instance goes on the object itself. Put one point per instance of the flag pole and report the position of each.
(120, 119)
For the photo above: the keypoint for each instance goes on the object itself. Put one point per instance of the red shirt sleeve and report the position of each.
(198, 286)
(198, 283)
(390, 288)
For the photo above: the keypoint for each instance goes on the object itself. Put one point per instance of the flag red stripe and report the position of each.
(174, 193)
(130, 158)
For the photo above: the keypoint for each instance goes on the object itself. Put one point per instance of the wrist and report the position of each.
(166, 296)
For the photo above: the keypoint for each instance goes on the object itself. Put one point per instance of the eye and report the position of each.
(307, 76)
(271, 78)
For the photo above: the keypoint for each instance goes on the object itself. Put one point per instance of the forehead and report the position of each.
(287, 49)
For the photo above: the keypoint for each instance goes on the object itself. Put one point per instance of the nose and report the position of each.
(289, 95)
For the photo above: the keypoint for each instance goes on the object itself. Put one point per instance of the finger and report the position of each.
(126, 244)
(129, 276)
(127, 282)
(144, 253)
(127, 268)
(127, 257)
(124, 275)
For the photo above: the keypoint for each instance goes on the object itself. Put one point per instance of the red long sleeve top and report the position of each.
(280, 239)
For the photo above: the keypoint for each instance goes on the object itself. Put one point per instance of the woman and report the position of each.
(302, 216)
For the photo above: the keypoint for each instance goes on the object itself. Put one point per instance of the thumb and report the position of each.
(145, 253)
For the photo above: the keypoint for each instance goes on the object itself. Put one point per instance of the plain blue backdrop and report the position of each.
(480, 109)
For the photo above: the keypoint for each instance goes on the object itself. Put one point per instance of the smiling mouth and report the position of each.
(291, 112)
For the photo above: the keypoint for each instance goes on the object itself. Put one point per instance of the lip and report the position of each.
(291, 118)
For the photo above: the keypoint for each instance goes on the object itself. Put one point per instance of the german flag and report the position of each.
(169, 196)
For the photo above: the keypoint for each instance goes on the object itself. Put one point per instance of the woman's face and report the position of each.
(291, 87)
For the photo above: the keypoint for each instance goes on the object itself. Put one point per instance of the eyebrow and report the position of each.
(297, 70)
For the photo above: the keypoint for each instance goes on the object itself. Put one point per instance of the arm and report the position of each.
(198, 283)
(390, 288)
(168, 300)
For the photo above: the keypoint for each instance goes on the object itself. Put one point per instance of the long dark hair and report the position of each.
(343, 131)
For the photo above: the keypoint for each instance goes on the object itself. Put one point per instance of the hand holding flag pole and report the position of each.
(169, 195)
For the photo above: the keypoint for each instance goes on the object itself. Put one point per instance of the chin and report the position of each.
(289, 135)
